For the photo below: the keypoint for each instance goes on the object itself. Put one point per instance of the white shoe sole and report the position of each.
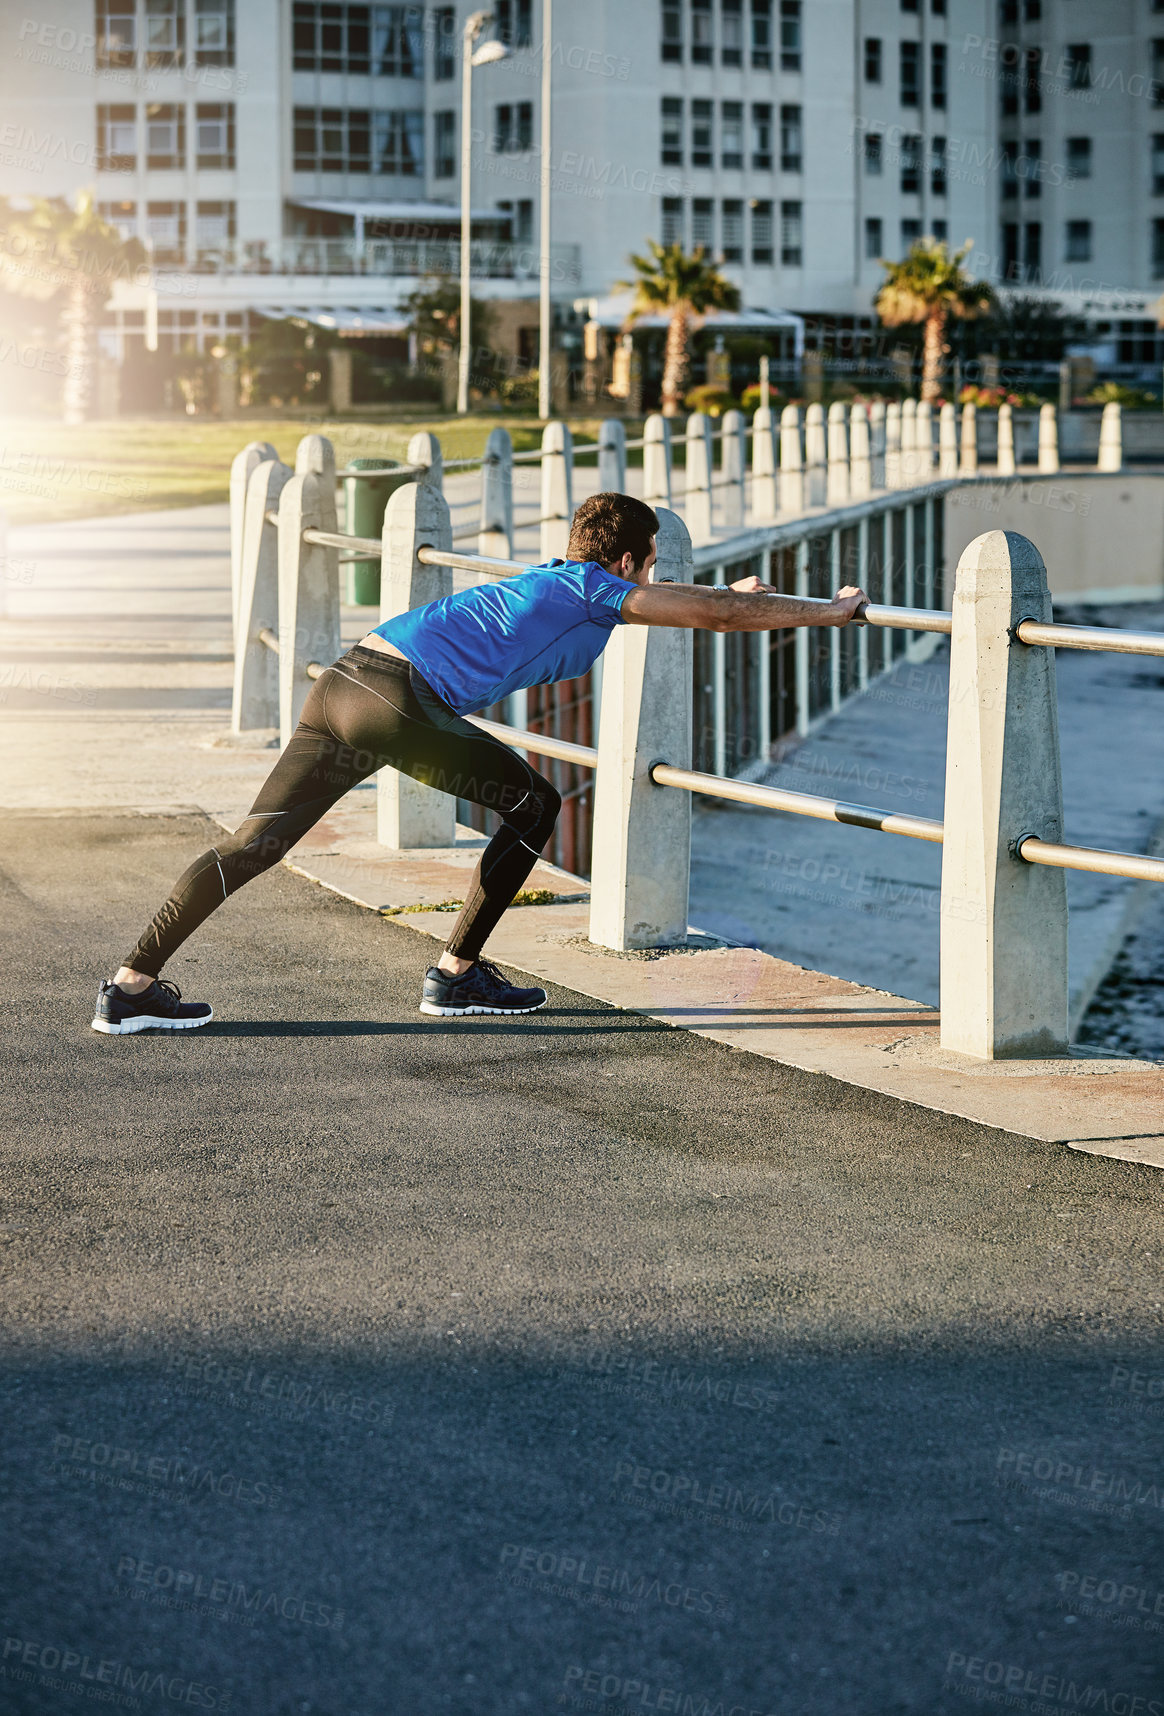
(459, 1012)
(146, 1022)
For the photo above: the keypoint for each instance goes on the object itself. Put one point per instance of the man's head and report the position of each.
(618, 532)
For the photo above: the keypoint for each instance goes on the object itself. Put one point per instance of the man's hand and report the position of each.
(746, 586)
(848, 604)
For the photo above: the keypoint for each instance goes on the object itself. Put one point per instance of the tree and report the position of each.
(73, 256)
(930, 286)
(685, 286)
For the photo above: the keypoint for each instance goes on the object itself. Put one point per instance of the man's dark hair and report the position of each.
(608, 526)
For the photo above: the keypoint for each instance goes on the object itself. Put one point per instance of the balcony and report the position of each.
(399, 257)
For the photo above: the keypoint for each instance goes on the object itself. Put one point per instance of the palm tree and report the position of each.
(686, 286)
(52, 251)
(930, 286)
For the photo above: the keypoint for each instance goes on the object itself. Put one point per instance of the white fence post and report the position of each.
(657, 460)
(1048, 439)
(815, 456)
(791, 461)
(315, 453)
(557, 490)
(697, 494)
(1111, 439)
(642, 832)
(424, 449)
(255, 453)
(893, 446)
(255, 697)
(908, 443)
(968, 462)
(733, 455)
(495, 537)
(765, 503)
(309, 606)
(1004, 458)
(923, 464)
(611, 456)
(1003, 922)
(860, 460)
(409, 812)
(837, 482)
(948, 440)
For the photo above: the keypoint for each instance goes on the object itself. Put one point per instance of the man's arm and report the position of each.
(755, 609)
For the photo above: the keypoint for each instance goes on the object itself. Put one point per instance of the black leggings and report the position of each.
(371, 711)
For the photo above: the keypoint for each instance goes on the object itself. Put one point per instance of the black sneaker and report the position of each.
(481, 989)
(160, 1007)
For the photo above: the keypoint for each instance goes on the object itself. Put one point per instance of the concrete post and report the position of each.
(764, 495)
(557, 490)
(642, 832)
(923, 465)
(1005, 457)
(1003, 922)
(860, 463)
(611, 456)
(424, 450)
(408, 812)
(909, 460)
(968, 463)
(242, 465)
(948, 440)
(1111, 439)
(837, 480)
(1048, 439)
(309, 605)
(733, 455)
(791, 461)
(815, 456)
(657, 460)
(697, 495)
(893, 446)
(315, 453)
(255, 699)
(877, 443)
(495, 537)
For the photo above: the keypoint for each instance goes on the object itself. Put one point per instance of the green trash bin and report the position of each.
(365, 499)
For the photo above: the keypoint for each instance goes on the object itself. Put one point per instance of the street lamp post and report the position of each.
(545, 326)
(471, 55)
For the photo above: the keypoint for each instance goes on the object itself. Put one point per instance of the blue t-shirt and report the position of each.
(546, 624)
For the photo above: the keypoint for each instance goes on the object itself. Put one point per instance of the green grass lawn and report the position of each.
(49, 473)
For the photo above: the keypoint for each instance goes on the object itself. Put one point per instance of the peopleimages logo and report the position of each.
(1014, 1681)
(28, 1659)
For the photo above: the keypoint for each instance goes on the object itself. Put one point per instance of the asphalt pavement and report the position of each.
(359, 1363)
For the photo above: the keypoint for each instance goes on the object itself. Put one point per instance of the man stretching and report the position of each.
(398, 700)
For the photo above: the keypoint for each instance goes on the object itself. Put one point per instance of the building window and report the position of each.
(214, 228)
(166, 231)
(938, 166)
(1079, 64)
(214, 33)
(1009, 172)
(791, 234)
(116, 33)
(165, 34)
(672, 220)
(1010, 250)
(911, 165)
(672, 41)
(1033, 10)
(1157, 72)
(731, 140)
(731, 27)
(444, 24)
(938, 65)
(733, 230)
(761, 135)
(672, 149)
(938, 8)
(872, 59)
(1158, 249)
(165, 128)
(911, 74)
(384, 41)
(702, 45)
(873, 243)
(791, 140)
(1032, 87)
(332, 140)
(1078, 158)
(1007, 12)
(1157, 164)
(790, 35)
(762, 35)
(702, 223)
(1078, 247)
(762, 234)
(874, 154)
(941, 230)
(123, 216)
(444, 143)
(910, 232)
(1032, 247)
(523, 225)
(910, 5)
(512, 127)
(397, 41)
(116, 139)
(514, 22)
(701, 133)
(1033, 173)
(398, 142)
(214, 134)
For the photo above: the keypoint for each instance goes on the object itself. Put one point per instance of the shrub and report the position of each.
(714, 400)
(1115, 393)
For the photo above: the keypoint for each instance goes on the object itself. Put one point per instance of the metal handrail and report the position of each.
(541, 744)
(1090, 637)
(1095, 859)
(798, 803)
